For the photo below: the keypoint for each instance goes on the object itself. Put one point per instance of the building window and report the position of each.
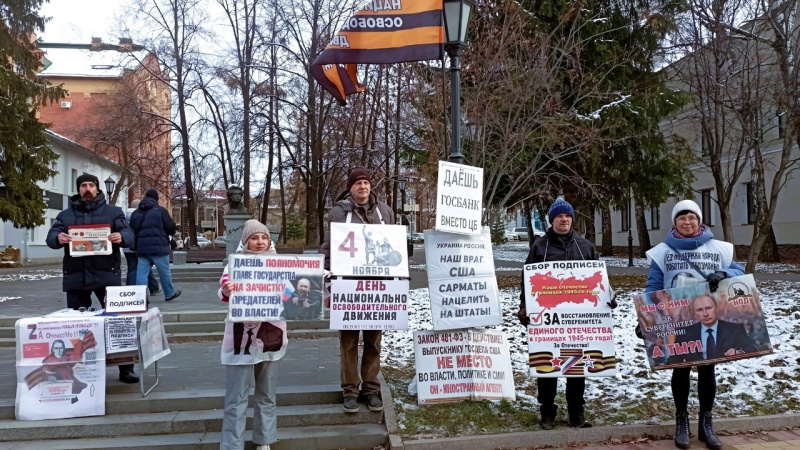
(74, 179)
(625, 218)
(655, 218)
(751, 203)
(706, 206)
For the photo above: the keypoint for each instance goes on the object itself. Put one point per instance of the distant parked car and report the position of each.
(202, 242)
(417, 238)
(509, 235)
(221, 241)
(522, 232)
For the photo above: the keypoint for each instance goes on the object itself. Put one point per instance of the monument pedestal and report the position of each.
(233, 232)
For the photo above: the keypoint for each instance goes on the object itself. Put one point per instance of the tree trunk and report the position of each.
(641, 231)
(769, 252)
(526, 212)
(607, 247)
(590, 228)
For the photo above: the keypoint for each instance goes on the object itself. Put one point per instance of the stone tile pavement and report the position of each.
(773, 440)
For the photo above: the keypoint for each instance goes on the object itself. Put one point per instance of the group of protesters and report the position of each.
(146, 232)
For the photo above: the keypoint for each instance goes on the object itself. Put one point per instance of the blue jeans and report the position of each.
(133, 264)
(146, 263)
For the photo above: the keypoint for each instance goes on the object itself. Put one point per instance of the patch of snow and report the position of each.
(32, 275)
(5, 299)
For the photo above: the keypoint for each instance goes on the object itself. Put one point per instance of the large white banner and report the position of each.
(61, 369)
(462, 365)
(459, 195)
(571, 329)
(369, 304)
(359, 250)
(275, 287)
(153, 338)
(461, 280)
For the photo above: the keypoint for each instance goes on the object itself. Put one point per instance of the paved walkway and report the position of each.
(774, 440)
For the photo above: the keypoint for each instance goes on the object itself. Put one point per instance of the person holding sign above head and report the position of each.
(359, 205)
(688, 246)
(85, 275)
(250, 350)
(561, 243)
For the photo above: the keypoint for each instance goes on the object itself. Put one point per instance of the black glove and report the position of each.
(715, 278)
(613, 302)
(638, 332)
(523, 317)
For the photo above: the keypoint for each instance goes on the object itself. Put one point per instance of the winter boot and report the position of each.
(705, 431)
(548, 413)
(576, 418)
(682, 429)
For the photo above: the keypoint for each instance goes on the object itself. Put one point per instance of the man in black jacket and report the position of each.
(153, 226)
(86, 274)
(560, 244)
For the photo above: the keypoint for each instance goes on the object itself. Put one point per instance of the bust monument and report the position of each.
(235, 206)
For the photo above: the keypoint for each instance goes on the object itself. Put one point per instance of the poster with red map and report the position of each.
(571, 327)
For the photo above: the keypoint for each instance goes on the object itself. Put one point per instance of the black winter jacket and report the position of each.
(90, 272)
(153, 226)
(556, 247)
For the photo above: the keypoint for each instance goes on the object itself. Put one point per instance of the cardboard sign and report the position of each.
(676, 324)
(268, 287)
(571, 327)
(126, 299)
(369, 304)
(461, 280)
(459, 198)
(462, 365)
(61, 369)
(366, 251)
(89, 240)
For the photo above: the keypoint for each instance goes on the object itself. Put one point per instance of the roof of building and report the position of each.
(79, 149)
(79, 60)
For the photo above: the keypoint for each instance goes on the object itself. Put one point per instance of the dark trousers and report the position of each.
(706, 387)
(575, 387)
(77, 299)
(370, 362)
(133, 265)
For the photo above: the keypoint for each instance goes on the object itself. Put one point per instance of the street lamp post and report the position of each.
(401, 185)
(110, 184)
(630, 230)
(456, 18)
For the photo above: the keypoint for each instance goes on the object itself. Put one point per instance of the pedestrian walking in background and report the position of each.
(133, 261)
(153, 226)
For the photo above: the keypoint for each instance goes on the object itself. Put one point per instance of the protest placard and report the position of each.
(153, 338)
(462, 365)
(88, 240)
(364, 251)
(126, 299)
(61, 368)
(275, 287)
(571, 328)
(369, 304)
(461, 280)
(459, 198)
(676, 324)
(121, 334)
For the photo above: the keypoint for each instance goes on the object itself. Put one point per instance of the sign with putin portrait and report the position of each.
(691, 326)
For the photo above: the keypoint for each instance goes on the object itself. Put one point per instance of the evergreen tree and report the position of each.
(25, 157)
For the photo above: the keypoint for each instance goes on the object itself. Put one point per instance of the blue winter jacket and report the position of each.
(90, 272)
(655, 278)
(153, 226)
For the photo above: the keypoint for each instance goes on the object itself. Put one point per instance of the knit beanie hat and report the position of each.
(152, 193)
(686, 206)
(84, 178)
(252, 227)
(560, 207)
(356, 175)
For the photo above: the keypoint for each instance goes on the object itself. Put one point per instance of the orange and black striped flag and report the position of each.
(383, 32)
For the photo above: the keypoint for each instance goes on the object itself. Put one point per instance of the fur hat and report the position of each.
(84, 178)
(152, 193)
(252, 227)
(560, 206)
(356, 175)
(686, 206)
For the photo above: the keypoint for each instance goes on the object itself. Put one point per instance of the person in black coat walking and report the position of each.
(560, 244)
(153, 226)
(86, 274)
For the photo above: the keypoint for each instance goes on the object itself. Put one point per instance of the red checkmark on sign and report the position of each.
(536, 319)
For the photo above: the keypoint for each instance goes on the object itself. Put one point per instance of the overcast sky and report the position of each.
(79, 20)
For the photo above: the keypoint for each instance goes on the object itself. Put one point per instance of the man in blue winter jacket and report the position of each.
(153, 226)
(87, 274)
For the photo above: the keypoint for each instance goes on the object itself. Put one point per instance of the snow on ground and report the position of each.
(32, 275)
(742, 385)
(5, 299)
